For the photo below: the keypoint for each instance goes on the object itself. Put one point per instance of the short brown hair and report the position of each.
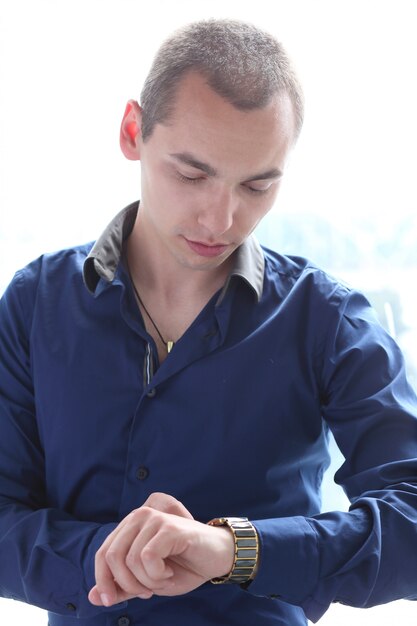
(242, 63)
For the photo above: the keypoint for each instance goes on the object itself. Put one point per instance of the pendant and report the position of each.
(170, 345)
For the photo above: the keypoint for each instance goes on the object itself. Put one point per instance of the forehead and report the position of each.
(204, 123)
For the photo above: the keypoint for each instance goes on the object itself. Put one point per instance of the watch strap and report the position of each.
(246, 549)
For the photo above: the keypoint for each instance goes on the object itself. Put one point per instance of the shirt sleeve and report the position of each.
(367, 555)
(46, 555)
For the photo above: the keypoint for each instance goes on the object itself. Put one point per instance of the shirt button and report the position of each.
(142, 473)
(151, 393)
(71, 606)
(123, 621)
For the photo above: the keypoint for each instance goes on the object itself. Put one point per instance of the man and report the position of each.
(192, 380)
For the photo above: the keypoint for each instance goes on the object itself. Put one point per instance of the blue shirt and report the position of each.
(234, 422)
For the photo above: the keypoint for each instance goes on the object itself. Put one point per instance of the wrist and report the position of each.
(228, 551)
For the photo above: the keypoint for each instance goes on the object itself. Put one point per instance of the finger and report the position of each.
(110, 538)
(95, 597)
(116, 564)
(148, 566)
(167, 504)
(168, 542)
(106, 590)
(123, 560)
(111, 585)
(109, 562)
(104, 578)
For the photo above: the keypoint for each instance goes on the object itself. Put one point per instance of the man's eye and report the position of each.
(256, 190)
(189, 179)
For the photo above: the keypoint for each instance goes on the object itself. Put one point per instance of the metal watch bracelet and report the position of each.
(246, 549)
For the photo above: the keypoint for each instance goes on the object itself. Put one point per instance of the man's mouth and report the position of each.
(206, 249)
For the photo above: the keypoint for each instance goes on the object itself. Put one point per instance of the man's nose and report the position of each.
(218, 214)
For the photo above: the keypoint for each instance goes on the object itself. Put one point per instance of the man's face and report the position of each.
(210, 174)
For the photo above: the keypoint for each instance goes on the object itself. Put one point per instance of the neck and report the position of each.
(168, 343)
(169, 295)
(156, 271)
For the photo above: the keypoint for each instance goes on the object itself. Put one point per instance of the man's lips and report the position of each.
(207, 250)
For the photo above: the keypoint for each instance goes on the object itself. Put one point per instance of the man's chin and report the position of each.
(200, 263)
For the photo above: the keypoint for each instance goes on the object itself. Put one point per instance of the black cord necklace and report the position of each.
(168, 344)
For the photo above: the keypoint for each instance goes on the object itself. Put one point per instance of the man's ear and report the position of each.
(130, 131)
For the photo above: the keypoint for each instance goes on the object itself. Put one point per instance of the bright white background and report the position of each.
(349, 202)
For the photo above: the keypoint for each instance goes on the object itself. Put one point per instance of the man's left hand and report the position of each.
(159, 549)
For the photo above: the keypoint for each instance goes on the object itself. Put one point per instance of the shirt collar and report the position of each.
(105, 255)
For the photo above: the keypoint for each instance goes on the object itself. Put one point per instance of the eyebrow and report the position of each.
(189, 159)
(274, 173)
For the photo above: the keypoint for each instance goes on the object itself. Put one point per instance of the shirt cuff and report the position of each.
(289, 560)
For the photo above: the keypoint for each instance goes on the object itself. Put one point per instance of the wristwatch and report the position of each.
(246, 550)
